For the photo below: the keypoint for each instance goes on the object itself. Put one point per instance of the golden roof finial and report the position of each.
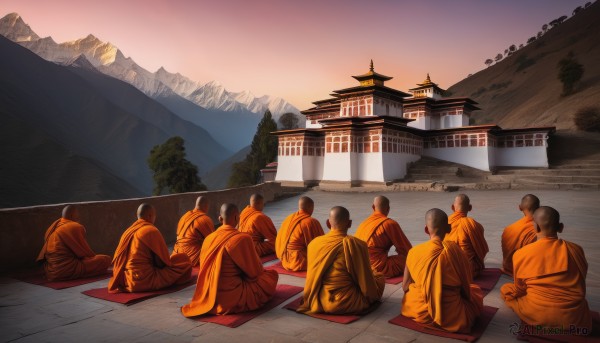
(371, 68)
(428, 79)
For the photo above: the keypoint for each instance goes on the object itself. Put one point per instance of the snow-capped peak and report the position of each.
(14, 28)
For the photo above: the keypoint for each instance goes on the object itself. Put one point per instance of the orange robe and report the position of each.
(261, 228)
(468, 234)
(67, 255)
(231, 277)
(192, 229)
(339, 279)
(381, 233)
(142, 263)
(514, 237)
(549, 288)
(442, 294)
(297, 230)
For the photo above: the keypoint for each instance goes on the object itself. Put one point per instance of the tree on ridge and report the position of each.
(172, 170)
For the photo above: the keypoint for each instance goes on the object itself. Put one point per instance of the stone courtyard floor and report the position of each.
(30, 313)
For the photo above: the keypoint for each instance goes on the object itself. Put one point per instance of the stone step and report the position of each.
(431, 176)
(578, 164)
(435, 170)
(560, 179)
(563, 186)
(569, 172)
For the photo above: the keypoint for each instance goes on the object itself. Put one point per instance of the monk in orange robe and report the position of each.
(259, 226)
(231, 277)
(142, 263)
(438, 287)
(381, 233)
(519, 233)
(549, 288)
(66, 254)
(192, 229)
(468, 234)
(296, 232)
(339, 279)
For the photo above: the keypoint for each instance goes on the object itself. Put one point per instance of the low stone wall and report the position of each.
(22, 229)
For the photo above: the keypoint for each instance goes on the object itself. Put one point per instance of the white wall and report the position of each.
(380, 109)
(368, 167)
(476, 157)
(289, 168)
(450, 121)
(309, 125)
(422, 123)
(394, 165)
(529, 156)
(312, 168)
(337, 166)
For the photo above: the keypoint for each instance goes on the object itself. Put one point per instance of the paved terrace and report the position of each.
(30, 313)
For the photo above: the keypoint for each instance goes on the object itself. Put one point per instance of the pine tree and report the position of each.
(263, 150)
(569, 73)
(172, 170)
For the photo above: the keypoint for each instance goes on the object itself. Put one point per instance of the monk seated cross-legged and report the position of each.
(192, 229)
(296, 232)
(231, 277)
(468, 234)
(549, 288)
(381, 233)
(339, 279)
(259, 226)
(519, 233)
(66, 253)
(142, 262)
(438, 288)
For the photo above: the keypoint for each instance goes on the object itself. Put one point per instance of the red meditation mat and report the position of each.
(394, 280)
(480, 325)
(487, 279)
(268, 258)
(282, 293)
(527, 333)
(336, 318)
(126, 298)
(38, 277)
(279, 268)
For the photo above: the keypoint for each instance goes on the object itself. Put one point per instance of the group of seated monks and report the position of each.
(345, 274)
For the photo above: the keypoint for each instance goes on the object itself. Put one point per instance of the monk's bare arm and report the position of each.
(407, 280)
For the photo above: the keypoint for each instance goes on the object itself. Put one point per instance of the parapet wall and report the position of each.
(22, 229)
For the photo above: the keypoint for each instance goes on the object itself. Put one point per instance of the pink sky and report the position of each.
(299, 50)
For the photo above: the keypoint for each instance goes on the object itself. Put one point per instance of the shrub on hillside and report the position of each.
(569, 73)
(588, 119)
(523, 62)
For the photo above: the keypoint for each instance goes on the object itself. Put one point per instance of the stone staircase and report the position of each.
(580, 173)
(577, 173)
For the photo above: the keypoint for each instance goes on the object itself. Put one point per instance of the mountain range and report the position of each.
(210, 105)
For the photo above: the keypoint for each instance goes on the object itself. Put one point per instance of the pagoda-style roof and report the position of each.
(372, 78)
(443, 102)
(426, 84)
(372, 89)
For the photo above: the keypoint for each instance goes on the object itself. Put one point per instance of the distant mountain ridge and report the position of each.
(230, 117)
(523, 89)
(111, 61)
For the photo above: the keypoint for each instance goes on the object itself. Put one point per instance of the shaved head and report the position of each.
(381, 204)
(462, 203)
(437, 222)
(70, 212)
(257, 201)
(339, 218)
(306, 204)
(147, 212)
(229, 214)
(529, 204)
(202, 203)
(547, 220)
